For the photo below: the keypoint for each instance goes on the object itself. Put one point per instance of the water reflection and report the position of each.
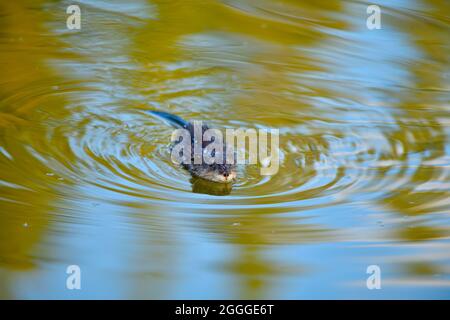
(207, 187)
(86, 177)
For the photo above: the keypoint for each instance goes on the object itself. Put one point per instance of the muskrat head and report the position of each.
(223, 173)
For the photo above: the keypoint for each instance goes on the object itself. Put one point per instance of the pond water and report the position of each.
(86, 177)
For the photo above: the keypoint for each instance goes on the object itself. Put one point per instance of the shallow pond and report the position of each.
(86, 177)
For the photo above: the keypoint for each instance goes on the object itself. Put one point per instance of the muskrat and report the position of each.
(217, 172)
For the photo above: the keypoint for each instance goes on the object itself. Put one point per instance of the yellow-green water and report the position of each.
(86, 176)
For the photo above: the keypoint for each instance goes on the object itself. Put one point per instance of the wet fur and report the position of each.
(223, 173)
